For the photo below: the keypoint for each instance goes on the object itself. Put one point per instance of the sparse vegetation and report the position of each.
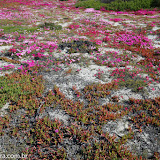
(19, 29)
(67, 92)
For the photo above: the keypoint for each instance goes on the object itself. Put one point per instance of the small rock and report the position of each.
(59, 114)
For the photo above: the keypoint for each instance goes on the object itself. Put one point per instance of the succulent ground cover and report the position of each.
(79, 83)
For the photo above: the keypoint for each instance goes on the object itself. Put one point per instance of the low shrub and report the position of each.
(12, 87)
(119, 5)
(51, 26)
(89, 4)
(79, 46)
(134, 85)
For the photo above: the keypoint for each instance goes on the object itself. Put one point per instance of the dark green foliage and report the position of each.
(78, 46)
(155, 3)
(109, 1)
(119, 5)
(134, 5)
(51, 26)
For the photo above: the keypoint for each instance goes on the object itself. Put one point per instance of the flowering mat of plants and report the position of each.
(79, 83)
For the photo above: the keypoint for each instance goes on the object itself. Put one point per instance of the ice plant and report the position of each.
(60, 57)
(116, 19)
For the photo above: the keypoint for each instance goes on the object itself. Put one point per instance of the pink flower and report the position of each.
(89, 10)
(116, 19)
(140, 88)
(56, 130)
(21, 67)
(147, 77)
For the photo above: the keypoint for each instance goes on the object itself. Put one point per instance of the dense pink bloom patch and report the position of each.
(72, 26)
(91, 10)
(116, 19)
(37, 49)
(145, 12)
(9, 14)
(130, 38)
